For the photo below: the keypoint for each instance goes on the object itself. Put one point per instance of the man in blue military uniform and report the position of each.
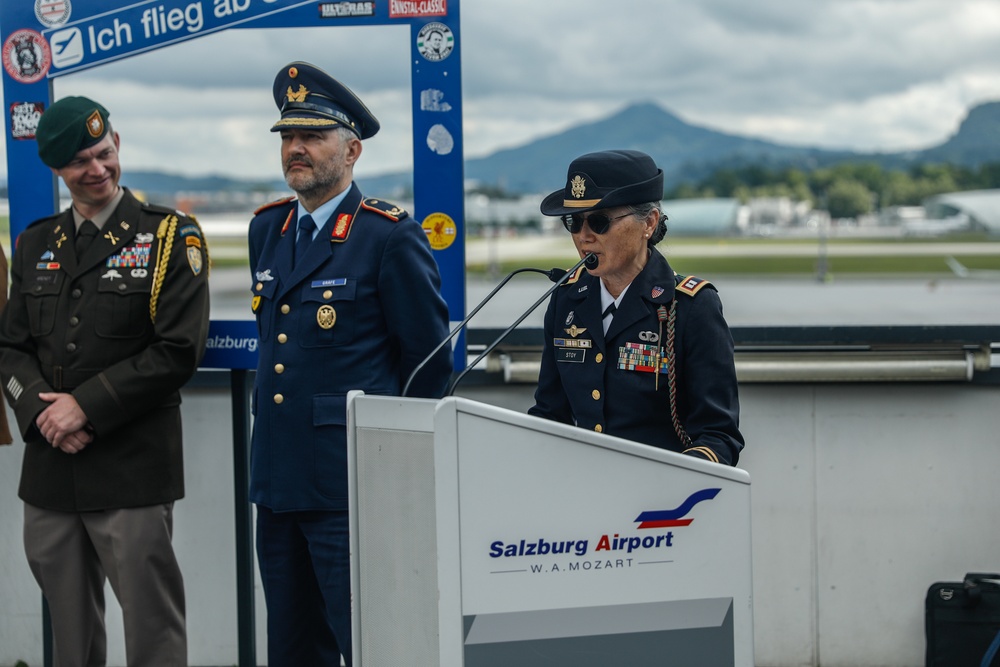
(347, 296)
(632, 349)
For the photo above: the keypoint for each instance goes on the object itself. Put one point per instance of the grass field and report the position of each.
(743, 256)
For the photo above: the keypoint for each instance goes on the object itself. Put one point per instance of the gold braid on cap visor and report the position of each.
(576, 203)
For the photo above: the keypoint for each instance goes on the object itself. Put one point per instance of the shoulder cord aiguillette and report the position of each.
(165, 234)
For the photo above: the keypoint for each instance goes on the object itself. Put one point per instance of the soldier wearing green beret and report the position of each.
(107, 319)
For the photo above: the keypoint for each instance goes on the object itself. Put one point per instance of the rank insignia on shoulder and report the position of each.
(575, 277)
(387, 209)
(272, 204)
(691, 285)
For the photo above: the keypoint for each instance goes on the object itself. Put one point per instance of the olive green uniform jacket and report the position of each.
(122, 330)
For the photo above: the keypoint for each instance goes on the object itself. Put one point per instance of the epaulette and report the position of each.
(272, 204)
(575, 277)
(41, 220)
(387, 209)
(691, 285)
(159, 208)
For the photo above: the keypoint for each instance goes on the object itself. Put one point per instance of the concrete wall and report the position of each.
(863, 495)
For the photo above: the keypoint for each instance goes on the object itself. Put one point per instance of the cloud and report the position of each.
(858, 74)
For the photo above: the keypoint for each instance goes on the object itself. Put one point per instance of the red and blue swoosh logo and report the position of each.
(675, 517)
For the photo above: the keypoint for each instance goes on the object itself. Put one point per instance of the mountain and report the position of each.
(689, 152)
(976, 142)
(684, 151)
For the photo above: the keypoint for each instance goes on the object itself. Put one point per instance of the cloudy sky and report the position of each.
(861, 74)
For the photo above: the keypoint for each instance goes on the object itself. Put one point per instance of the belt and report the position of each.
(65, 379)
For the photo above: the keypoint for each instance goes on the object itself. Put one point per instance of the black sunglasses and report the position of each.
(599, 223)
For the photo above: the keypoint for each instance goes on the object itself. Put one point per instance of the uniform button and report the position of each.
(122, 287)
(599, 358)
(71, 347)
(77, 293)
(73, 321)
(327, 294)
(596, 394)
(282, 338)
(38, 288)
(279, 368)
(285, 309)
(279, 399)
(599, 428)
(259, 286)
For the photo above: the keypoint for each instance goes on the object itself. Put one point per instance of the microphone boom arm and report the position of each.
(461, 325)
(590, 259)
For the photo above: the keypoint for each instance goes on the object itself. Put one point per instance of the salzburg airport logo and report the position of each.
(675, 517)
(609, 544)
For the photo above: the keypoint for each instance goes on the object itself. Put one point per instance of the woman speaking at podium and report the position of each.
(632, 349)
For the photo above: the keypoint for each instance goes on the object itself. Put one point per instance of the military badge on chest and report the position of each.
(572, 349)
(326, 316)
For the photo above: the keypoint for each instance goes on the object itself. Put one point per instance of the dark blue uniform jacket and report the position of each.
(591, 380)
(360, 310)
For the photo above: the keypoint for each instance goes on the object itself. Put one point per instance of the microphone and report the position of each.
(552, 274)
(591, 262)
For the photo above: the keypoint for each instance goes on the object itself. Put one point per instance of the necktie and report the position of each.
(609, 314)
(302, 241)
(84, 236)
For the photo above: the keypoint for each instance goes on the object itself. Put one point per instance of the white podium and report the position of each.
(482, 537)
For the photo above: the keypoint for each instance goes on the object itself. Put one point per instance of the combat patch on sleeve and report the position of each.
(691, 285)
(384, 208)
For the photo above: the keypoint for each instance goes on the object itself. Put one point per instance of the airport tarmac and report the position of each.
(747, 302)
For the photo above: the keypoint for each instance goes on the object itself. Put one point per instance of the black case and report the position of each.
(962, 620)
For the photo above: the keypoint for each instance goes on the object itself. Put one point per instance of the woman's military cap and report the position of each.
(309, 98)
(69, 126)
(606, 179)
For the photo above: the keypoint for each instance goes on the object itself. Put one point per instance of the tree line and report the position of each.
(845, 190)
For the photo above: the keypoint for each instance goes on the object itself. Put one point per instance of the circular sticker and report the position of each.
(52, 13)
(439, 140)
(326, 316)
(435, 42)
(26, 56)
(441, 230)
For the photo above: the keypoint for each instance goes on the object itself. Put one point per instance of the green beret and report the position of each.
(69, 126)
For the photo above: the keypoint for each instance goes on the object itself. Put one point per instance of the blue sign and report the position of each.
(231, 344)
(149, 25)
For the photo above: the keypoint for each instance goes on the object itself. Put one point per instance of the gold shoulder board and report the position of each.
(273, 204)
(384, 208)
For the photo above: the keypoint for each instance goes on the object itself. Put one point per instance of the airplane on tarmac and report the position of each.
(963, 271)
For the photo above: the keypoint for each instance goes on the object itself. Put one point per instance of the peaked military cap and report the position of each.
(309, 98)
(69, 126)
(606, 179)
